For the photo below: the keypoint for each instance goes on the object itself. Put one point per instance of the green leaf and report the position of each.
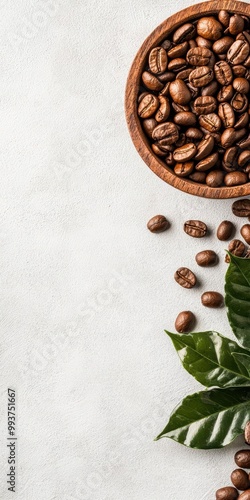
(209, 419)
(208, 357)
(237, 289)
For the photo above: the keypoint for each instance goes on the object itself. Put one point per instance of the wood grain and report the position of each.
(132, 88)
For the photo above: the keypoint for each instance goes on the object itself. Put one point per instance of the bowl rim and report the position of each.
(131, 92)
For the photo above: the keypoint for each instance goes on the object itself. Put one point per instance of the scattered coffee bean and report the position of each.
(195, 228)
(158, 224)
(206, 258)
(245, 495)
(185, 277)
(247, 433)
(242, 458)
(245, 233)
(225, 230)
(237, 247)
(184, 322)
(240, 479)
(227, 493)
(212, 299)
(241, 208)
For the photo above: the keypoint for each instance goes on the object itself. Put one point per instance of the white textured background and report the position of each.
(86, 290)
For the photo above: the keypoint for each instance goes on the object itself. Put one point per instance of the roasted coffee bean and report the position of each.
(170, 159)
(227, 493)
(226, 114)
(210, 28)
(194, 91)
(181, 141)
(224, 17)
(223, 73)
(225, 230)
(237, 247)
(184, 277)
(180, 92)
(158, 224)
(141, 96)
(164, 109)
(184, 322)
(184, 33)
(198, 177)
(228, 137)
(148, 106)
(204, 105)
(244, 143)
(239, 102)
(215, 178)
(210, 122)
(242, 459)
(201, 76)
(244, 158)
(164, 144)
(240, 479)
(206, 258)
(222, 46)
(167, 131)
(178, 50)
(192, 44)
(199, 56)
(247, 433)
(239, 70)
(184, 74)
(236, 24)
(226, 93)
(165, 90)
(204, 148)
(211, 89)
(194, 133)
(185, 118)
(241, 85)
(166, 44)
(245, 233)
(212, 299)
(177, 64)
(245, 495)
(230, 159)
(151, 82)
(238, 52)
(235, 178)
(149, 125)
(208, 162)
(184, 169)
(185, 153)
(241, 208)
(158, 60)
(195, 228)
(179, 108)
(166, 77)
(242, 121)
(157, 150)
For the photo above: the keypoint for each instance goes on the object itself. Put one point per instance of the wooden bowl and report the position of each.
(138, 136)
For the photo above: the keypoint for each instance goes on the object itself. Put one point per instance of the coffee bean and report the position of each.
(164, 109)
(227, 493)
(211, 122)
(239, 70)
(210, 89)
(245, 233)
(240, 479)
(238, 52)
(194, 133)
(184, 33)
(242, 458)
(212, 299)
(177, 64)
(206, 258)
(148, 106)
(225, 230)
(229, 162)
(158, 60)
(166, 77)
(235, 178)
(226, 114)
(215, 178)
(184, 169)
(158, 224)
(169, 159)
(184, 322)
(178, 51)
(244, 158)
(222, 46)
(226, 93)
(184, 74)
(223, 73)
(180, 92)
(247, 433)
(242, 121)
(151, 82)
(210, 28)
(168, 131)
(185, 118)
(203, 42)
(184, 277)
(205, 105)
(241, 85)
(245, 143)
(204, 148)
(237, 247)
(198, 177)
(236, 24)
(166, 44)
(241, 208)
(228, 137)
(185, 153)
(179, 108)
(199, 56)
(157, 150)
(195, 228)
(164, 144)
(239, 102)
(245, 495)
(208, 162)
(201, 76)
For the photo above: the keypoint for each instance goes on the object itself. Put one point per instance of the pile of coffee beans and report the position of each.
(185, 277)
(193, 100)
(239, 477)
